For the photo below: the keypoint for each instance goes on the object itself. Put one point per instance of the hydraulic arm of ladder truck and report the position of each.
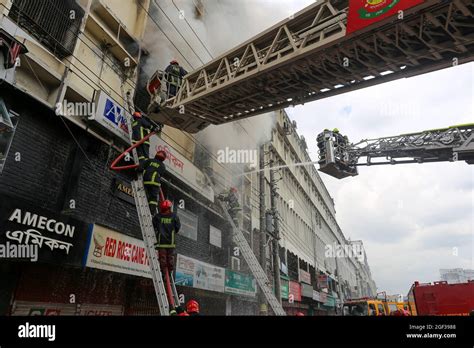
(340, 158)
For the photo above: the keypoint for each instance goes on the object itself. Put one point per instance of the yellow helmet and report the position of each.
(335, 130)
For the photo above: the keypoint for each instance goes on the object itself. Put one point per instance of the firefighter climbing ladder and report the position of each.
(255, 267)
(146, 225)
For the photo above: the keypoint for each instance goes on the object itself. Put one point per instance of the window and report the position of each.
(189, 224)
(50, 22)
(381, 309)
(215, 236)
(372, 310)
(8, 122)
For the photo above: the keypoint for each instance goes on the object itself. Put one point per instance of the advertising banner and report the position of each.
(295, 291)
(182, 168)
(305, 277)
(117, 252)
(363, 13)
(191, 272)
(323, 281)
(27, 231)
(30, 308)
(240, 284)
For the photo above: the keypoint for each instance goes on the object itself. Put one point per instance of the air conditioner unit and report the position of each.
(234, 263)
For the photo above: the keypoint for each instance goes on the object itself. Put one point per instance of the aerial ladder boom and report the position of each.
(312, 55)
(340, 159)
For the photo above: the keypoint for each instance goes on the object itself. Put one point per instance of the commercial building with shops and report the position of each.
(59, 195)
(57, 192)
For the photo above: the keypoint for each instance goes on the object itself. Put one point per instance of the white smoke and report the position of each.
(224, 25)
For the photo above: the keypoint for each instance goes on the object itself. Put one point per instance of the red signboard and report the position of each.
(363, 13)
(295, 291)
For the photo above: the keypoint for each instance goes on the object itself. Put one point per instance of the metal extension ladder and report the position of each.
(255, 267)
(148, 232)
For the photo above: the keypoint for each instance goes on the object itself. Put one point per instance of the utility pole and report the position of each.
(263, 232)
(276, 235)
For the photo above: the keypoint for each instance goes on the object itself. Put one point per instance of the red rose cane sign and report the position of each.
(363, 13)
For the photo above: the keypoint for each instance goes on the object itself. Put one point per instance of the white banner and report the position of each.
(182, 168)
(191, 272)
(116, 252)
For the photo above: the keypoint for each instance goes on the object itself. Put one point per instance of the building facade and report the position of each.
(456, 275)
(67, 71)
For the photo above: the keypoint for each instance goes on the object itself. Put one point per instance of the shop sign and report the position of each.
(99, 310)
(284, 288)
(306, 290)
(323, 297)
(305, 277)
(34, 308)
(111, 116)
(316, 296)
(363, 13)
(240, 284)
(117, 252)
(323, 281)
(124, 191)
(201, 275)
(49, 237)
(183, 169)
(294, 291)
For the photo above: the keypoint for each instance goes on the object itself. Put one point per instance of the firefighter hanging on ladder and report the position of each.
(154, 168)
(232, 199)
(141, 127)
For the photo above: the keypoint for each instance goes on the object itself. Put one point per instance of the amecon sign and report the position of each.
(111, 116)
(60, 239)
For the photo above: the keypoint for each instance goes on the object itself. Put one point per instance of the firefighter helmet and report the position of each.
(192, 306)
(137, 114)
(165, 206)
(160, 155)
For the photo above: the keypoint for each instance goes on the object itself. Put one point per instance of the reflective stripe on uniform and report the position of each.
(172, 245)
(152, 183)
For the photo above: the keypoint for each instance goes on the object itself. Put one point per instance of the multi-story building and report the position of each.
(67, 70)
(456, 275)
(64, 109)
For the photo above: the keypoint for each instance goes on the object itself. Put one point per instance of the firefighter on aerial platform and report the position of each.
(141, 127)
(175, 74)
(233, 200)
(153, 170)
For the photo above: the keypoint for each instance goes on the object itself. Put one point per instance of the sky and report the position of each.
(413, 219)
